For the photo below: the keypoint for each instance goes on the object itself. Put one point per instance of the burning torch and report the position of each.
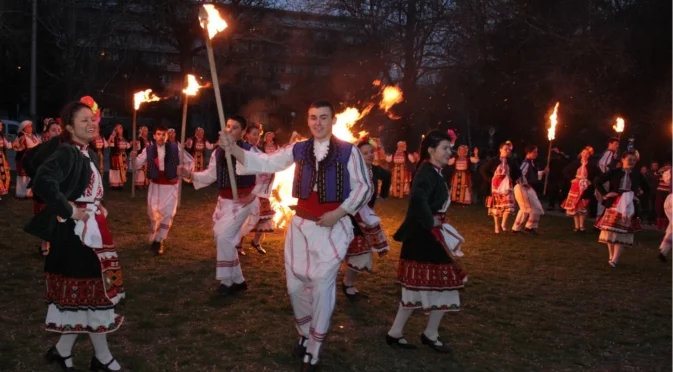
(619, 128)
(551, 134)
(191, 90)
(138, 99)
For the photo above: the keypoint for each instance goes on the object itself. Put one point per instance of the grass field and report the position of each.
(532, 303)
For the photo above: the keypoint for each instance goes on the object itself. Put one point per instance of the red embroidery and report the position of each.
(428, 276)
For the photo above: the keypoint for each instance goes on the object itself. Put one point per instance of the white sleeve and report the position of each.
(140, 159)
(361, 184)
(605, 161)
(208, 176)
(185, 158)
(256, 163)
(208, 145)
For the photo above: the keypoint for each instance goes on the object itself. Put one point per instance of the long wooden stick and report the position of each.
(185, 104)
(546, 176)
(220, 111)
(133, 147)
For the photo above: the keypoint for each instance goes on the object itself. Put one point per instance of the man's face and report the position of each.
(613, 146)
(171, 135)
(654, 166)
(320, 122)
(160, 137)
(533, 155)
(235, 129)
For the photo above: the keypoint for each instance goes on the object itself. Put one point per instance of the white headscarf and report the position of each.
(24, 124)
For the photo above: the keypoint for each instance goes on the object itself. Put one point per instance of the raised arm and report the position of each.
(361, 184)
(259, 162)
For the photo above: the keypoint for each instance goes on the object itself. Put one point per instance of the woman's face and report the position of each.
(199, 134)
(54, 130)
(367, 152)
(269, 138)
(505, 150)
(586, 154)
(28, 129)
(171, 135)
(440, 155)
(629, 161)
(462, 151)
(253, 136)
(83, 128)
(143, 131)
(119, 130)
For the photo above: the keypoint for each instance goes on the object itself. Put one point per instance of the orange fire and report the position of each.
(553, 120)
(209, 17)
(144, 96)
(392, 95)
(345, 121)
(619, 127)
(192, 86)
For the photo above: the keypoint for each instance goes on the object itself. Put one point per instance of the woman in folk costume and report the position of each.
(99, 143)
(52, 129)
(503, 172)
(581, 172)
(26, 141)
(140, 144)
(196, 147)
(429, 269)
(665, 246)
(82, 272)
(663, 190)
(118, 164)
(172, 137)
(461, 179)
(369, 236)
(401, 170)
(619, 222)
(5, 172)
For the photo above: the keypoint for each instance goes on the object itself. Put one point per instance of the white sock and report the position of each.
(103, 354)
(349, 280)
(432, 329)
(64, 346)
(397, 330)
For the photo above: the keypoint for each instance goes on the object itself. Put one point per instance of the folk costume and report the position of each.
(328, 175)
(379, 152)
(21, 145)
(607, 162)
(429, 270)
(264, 186)
(118, 163)
(402, 164)
(581, 173)
(530, 208)
(620, 221)
(196, 147)
(663, 190)
(100, 144)
(82, 272)
(229, 218)
(141, 172)
(5, 172)
(161, 163)
(502, 172)
(665, 246)
(461, 178)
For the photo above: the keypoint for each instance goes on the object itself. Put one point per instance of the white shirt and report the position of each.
(161, 156)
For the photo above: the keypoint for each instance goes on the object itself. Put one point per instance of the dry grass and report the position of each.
(545, 303)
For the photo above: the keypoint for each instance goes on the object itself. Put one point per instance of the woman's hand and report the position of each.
(80, 214)
(610, 195)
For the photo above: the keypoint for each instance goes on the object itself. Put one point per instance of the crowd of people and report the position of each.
(337, 185)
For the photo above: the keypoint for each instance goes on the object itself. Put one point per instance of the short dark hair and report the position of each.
(431, 141)
(612, 140)
(160, 128)
(239, 119)
(530, 148)
(252, 126)
(323, 103)
(627, 153)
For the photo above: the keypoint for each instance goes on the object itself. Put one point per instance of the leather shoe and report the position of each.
(53, 356)
(400, 342)
(436, 345)
(300, 347)
(97, 365)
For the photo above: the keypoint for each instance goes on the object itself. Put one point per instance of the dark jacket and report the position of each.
(428, 195)
(614, 178)
(487, 170)
(61, 175)
(380, 174)
(570, 170)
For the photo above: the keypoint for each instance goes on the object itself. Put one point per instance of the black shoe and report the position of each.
(397, 342)
(97, 365)
(436, 345)
(351, 297)
(308, 367)
(300, 348)
(662, 258)
(160, 248)
(238, 287)
(154, 247)
(224, 290)
(258, 247)
(517, 232)
(240, 250)
(531, 231)
(53, 356)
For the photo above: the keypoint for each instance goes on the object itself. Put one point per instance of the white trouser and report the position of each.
(313, 255)
(229, 226)
(162, 203)
(22, 190)
(665, 246)
(530, 208)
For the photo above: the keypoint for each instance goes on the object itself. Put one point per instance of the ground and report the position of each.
(532, 303)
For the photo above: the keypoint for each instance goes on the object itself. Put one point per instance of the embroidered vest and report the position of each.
(171, 161)
(223, 173)
(331, 177)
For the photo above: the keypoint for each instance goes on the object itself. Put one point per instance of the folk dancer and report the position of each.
(26, 141)
(620, 221)
(230, 216)
(118, 165)
(5, 171)
(82, 271)
(330, 182)
(161, 160)
(530, 208)
(141, 142)
(369, 236)
(665, 246)
(429, 269)
(581, 172)
(663, 189)
(263, 223)
(196, 147)
(99, 143)
(172, 137)
(401, 170)
(461, 178)
(607, 162)
(502, 171)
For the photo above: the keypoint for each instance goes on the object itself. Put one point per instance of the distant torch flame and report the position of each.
(392, 95)
(619, 127)
(553, 120)
(144, 96)
(192, 86)
(209, 17)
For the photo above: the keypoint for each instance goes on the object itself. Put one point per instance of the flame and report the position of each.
(345, 121)
(192, 86)
(144, 96)
(209, 17)
(619, 127)
(392, 95)
(551, 133)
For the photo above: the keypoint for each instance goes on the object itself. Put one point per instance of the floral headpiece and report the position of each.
(452, 135)
(89, 101)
